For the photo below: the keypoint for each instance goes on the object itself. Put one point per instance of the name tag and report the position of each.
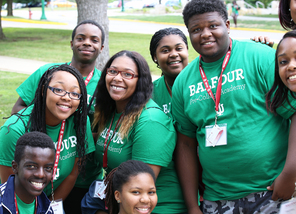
(57, 206)
(216, 135)
(100, 190)
(288, 207)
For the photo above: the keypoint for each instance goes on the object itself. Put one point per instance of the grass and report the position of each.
(8, 96)
(28, 43)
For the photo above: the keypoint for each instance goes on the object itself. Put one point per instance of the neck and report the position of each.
(20, 192)
(170, 81)
(84, 69)
(215, 57)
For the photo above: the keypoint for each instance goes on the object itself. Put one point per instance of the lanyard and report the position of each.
(57, 157)
(88, 78)
(219, 87)
(105, 159)
(16, 207)
(168, 87)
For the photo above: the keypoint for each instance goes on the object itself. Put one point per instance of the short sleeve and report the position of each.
(89, 138)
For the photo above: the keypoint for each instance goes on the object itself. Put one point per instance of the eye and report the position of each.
(179, 48)
(75, 95)
(58, 90)
(31, 166)
(152, 192)
(213, 26)
(283, 62)
(48, 169)
(79, 38)
(112, 71)
(127, 74)
(164, 50)
(196, 30)
(95, 41)
(136, 192)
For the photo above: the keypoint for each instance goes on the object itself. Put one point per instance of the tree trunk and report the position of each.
(9, 8)
(96, 10)
(2, 36)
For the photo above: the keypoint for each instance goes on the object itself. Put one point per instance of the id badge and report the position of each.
(288, 207)
(216, 135)
(100, 190)
(57, 206)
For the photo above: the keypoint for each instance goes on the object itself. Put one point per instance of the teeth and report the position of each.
(171, 63)
(143, 209)
(292, 77)
(39, 185)
(117, 88)
(208, 43)
(64, 106)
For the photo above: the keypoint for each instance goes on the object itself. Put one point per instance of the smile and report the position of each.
(117, 88)
(292, 77)
(176, 62)
(143, 210)
(64, 107)
(208, 43)
(38, 185)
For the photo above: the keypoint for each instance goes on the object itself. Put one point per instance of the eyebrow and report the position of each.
(123, 69)
(64, 83)
(81, 34)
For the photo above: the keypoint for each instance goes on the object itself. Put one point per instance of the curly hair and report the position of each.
(120, 176)
(105, 105)
(92, 23)
(198, 7)
(32, 139)
(158, 35)
(279, 93)
(285, 15)
(37, 121)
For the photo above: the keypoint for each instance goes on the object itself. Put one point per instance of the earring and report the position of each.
(118, 201)
(155, 60)
(289, 9)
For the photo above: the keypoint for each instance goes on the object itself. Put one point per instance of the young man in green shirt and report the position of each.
(242, 148)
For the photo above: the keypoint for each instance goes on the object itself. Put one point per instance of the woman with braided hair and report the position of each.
(131, 187)
(59, 109)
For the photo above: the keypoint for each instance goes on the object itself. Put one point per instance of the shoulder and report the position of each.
(158, 81)
(251, 47)
(152, 112)
(97, 73)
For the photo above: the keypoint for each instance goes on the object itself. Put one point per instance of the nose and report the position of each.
(292, 65)
(174, 54)
(145, 198)
(66, 96)
(206, 33)
(87, 42)
(118, 77)
(39, 173)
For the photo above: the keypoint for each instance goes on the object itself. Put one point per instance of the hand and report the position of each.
(283, 187)
(264, 40)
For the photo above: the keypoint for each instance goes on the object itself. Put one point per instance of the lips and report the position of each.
(174, 62)
(143, 210)
(207, 43)
(37, 185)
(293, 77)
(118, 88)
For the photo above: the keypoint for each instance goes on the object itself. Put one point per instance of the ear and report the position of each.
(117, 195)
(155, 59)
(71, 42)
(227, 23)
(102, 48)
(14, 167)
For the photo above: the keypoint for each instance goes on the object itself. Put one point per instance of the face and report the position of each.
(209, 35)
(138, 196)
(287, 62)
(87, 43)
(172, 55)
(121, 89)
(33, 172)
(59, 108)
(293, 10)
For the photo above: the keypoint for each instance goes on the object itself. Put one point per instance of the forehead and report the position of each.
(170, 40)
(88, 29)
(205, 17)
(288, 44)
(142, 180)
(124, 62)
(37, 154)
(62, 75)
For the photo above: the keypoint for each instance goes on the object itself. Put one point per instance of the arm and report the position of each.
(284, 185)
(187, 170)
(19, 105)
(156, 169)
(67, 185)
(5, 172)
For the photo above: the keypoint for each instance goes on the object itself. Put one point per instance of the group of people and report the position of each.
(113, 141)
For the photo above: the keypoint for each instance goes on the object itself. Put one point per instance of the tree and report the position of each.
(2, 36)
(96, 10)
(9, 8)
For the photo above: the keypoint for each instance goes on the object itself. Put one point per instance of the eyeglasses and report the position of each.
(124, 74)
(61, 92)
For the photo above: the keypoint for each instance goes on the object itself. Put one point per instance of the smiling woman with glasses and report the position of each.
(59, 109)
(131, 126)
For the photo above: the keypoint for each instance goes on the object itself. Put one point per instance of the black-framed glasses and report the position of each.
(124, 74)
(62, 92)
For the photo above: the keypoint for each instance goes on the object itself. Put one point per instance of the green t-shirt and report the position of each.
(9, 137)
(24, 208)
(27, 92)
(162, 96)
(152, 140)
(257, 141)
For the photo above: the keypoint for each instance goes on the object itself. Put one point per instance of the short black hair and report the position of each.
(285, 15)
(157, 37)
(197, 7)
(121, 175)
(92, 23)
(32, 139)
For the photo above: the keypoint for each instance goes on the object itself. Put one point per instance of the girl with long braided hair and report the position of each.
(59, 109)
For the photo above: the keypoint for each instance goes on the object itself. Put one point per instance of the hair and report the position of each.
(120, 176)
(37, 120)
(157, 37)
(92, 23)
(285, 15)
(279, 93)
(198, 7)
(32, 139)
(105, 105)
